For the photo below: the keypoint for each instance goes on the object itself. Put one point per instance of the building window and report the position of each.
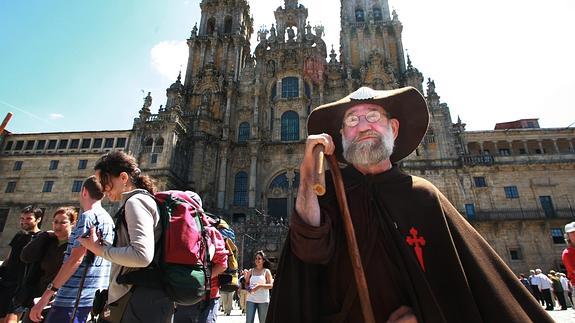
(511, 192)
(522, 151)
(86, 143)
(74, 143)
(228, 25)
(120, 142)
(470, 210)
(109, 143)
(154, 159)
(557, 235)
(11, 187)
(63, 144)
(148, 144)
(52, 144)
(504, 152)
(19, 145)
(479, 181)
(243, 132)
(41, 144)
(359, 17)
(159, 146)
(515, 254)
(290, 87)
(3, 217)
(290, 126)
(97, 143)
(53, 164)
(48, 185)
(82, 163)
(76, 186)
(18, 165)
(547, 205)
(30, 144)
(241, 189)
(211, 26)
(377, 14)
(9, 145)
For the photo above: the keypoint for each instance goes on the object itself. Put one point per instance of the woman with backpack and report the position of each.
(138, 228)
(259, 281)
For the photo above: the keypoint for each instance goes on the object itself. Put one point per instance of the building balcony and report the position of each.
(522, 214)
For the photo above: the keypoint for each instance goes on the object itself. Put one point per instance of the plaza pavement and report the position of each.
(559, 316)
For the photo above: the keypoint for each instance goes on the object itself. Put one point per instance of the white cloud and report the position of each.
(169, 58)
(56, 116)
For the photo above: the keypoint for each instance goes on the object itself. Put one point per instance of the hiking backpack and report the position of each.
(181, 264)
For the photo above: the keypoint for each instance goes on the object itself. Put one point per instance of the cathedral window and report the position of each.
(377, 14)
(211, 25)
(290, 126)
(290, 87)
(511, 192)
(241, 189)
(243, 132)
(228, 25)
(359, 16)
(148, 143)
(159, 146)
(280, 182)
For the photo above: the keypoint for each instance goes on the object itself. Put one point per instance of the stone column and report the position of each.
(481, 148)
(496, 152)
(225, 57)
(540, 143)
(223, 176)
(290, 177)
(555, 146)
(203, 53)
(525, 146)
(321, 92)
(255, 122)
(570, 145)
(253, 170)
(510, 143)
(227, 113)
(188, 79)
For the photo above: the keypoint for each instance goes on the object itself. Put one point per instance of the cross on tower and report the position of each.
(417, 243)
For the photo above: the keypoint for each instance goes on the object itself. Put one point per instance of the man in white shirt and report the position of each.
(566, 288)
(534, 282)
(545, 288)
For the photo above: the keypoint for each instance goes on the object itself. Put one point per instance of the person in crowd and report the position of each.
(421, 259)
(568, 255)
(525, 282)
(12, 270)
(47, 250)
(566, 285)
(534, 282)
(243, 292)
(558, 289)
(545, 285)
(259, 280)
(95, 270)
(138, 229)
(206, 311)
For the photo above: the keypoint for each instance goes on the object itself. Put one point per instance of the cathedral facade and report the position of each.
(234, 131)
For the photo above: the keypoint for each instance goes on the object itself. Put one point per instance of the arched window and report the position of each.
(243, 132)
(359, 17)
(241, 189)
(290, 126)
(377, 14)
(211, 26)
(281, 182)
(228, 25)
(148, 144)
(159, 146)
(290, 87)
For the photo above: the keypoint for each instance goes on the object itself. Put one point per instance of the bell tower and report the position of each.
(371, 46)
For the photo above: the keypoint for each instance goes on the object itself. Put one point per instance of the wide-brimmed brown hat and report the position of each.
(406, 105)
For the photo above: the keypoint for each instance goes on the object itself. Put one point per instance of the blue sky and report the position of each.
(83, 65)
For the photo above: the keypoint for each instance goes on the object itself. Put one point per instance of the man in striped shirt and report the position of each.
(66, 284)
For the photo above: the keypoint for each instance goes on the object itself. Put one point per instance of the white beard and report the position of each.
(369, 152)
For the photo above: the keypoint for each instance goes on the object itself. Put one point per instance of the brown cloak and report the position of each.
(457, 276)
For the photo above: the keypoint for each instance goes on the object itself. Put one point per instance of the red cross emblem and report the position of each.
(417, 242)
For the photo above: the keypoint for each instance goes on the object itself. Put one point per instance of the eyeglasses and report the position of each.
(352, 120)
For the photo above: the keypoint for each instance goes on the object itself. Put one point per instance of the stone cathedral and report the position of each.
(234, 131)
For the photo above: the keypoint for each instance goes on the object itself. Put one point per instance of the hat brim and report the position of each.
(406, 105)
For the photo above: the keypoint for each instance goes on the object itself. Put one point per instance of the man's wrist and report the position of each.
(52, 288)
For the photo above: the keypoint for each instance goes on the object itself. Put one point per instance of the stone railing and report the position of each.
(519, 214)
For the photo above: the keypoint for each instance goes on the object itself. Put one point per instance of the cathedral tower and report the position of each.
(371, 46)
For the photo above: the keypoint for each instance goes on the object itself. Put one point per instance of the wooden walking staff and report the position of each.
(353, 249)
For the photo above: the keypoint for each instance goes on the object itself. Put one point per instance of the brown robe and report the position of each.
(457, 277)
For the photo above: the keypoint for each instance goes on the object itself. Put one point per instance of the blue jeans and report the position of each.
(262, 309)
(203, 312)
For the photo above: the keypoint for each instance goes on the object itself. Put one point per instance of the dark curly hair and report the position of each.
(116, 162)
